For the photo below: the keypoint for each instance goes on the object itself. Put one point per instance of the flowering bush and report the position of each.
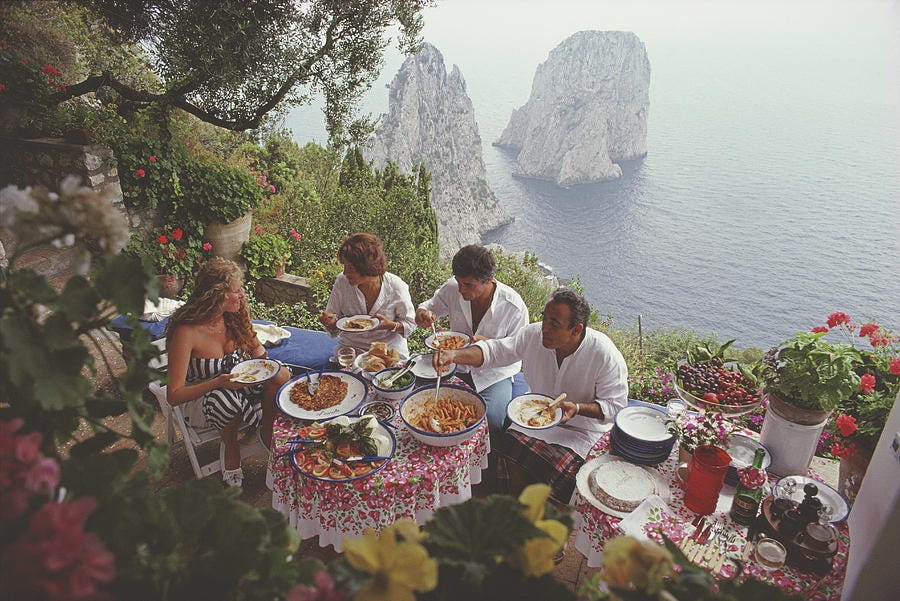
(651, 385)
(171, 251)
(698, 429)
(860, 417)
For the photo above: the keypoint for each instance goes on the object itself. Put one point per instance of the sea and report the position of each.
(770, 193)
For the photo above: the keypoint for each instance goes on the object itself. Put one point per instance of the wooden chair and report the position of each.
(193, 437)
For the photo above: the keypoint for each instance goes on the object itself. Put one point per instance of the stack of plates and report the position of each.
(640, 435)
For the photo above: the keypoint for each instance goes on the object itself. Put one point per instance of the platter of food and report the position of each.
(254, 371)
(357, 323)
(531, 411)
(343, 450)
(447, 341)
(616, 487)
(708, 386)
(376, 358)
(445, 421)
(338, 393)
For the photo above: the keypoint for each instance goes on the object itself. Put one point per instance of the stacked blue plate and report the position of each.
(640, 435)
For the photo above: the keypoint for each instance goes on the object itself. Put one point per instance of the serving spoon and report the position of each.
(389, 381)
(435, 424)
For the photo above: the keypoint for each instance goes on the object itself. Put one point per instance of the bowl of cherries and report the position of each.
(706, 381)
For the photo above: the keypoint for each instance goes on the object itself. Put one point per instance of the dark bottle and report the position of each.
(746, 500)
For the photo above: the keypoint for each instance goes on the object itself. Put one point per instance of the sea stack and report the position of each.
(588, 109)
(431, 119)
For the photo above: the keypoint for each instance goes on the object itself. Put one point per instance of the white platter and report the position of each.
(433, 340)
(357, 389)
(343, 323)
(423, 369)
(270, 334)
(254, 371)
(521, 407)
(584, 473)
(830, 497)
(643, 423)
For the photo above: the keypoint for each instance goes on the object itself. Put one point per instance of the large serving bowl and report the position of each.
(400, 387)
(417, 405)
(723, 408)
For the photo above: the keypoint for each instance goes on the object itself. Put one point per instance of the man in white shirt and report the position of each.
(559, 354)
(483, 308)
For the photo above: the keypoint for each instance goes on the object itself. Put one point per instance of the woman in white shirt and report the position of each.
(485, 309)
(366, 288)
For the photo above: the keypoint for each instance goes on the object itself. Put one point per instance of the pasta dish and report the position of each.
(452, 415)
(449, 343)
(330, 392)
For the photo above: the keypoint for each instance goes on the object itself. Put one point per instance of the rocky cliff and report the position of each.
(588, 109)
(431, 119)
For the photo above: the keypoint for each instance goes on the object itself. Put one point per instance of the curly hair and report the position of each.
(215, 279)
(364, 252)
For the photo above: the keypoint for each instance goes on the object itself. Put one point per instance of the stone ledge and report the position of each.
(284, 289)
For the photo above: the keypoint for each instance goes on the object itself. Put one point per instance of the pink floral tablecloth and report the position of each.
(594, 528)
(415, 483)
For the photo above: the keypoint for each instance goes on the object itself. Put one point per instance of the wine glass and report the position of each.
(346, 355)
(825, 513)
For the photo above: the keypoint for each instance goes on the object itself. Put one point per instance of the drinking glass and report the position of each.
(770, 554)
(346, 355)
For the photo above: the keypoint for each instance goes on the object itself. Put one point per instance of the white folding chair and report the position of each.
(193, 437)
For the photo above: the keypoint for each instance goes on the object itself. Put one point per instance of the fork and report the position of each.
(313, 386)
(435, 424)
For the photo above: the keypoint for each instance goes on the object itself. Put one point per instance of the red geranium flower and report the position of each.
(152, 159)
(895, 366)
(2, 87)
(177, 233)
(866, 383)
(846, 424)
(867, 329)
(843, 451)
(51, 70)
(819, 330)
(877, 340)
(837, 318)
(140, 172)
(207, 246)
(162, 240)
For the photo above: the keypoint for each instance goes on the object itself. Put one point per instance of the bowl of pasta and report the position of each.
(446, 421)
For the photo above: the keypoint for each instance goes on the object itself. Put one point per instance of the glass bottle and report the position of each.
(745, 505)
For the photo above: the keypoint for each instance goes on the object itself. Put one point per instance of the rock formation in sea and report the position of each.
(431, 119)
(588, 109)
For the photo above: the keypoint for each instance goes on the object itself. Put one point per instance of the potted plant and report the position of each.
(859, 419)
(699, 429)
(265, 254)
(174, 255)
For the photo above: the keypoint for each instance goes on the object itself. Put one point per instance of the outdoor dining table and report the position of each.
(594, 528)
(414, 484)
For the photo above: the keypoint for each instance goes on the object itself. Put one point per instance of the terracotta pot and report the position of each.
(852, 471)
(227, 238)
(169, 285)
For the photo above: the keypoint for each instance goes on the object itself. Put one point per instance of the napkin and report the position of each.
(269, 334)
(650, 510)
(160, 310)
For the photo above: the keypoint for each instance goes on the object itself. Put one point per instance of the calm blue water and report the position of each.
(770, 195)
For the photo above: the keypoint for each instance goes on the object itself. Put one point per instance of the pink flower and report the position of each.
(2, 87)
(177, 233)
(42, 477)
(846, 424)
(867, 329)
(819, 330)
(866, 383)
(295, 234)
(140, 172)
(207, 246)
(895, 366)
(271, 188)
(152, 159)
(28, 447)
(323, 590)
(837, 318)
(257, 229)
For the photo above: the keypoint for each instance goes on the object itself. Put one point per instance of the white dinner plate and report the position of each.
(423, 369)
(254, 371)
(643, 423)
(438, 338)
(270, 334)
(583, 477)
(357, 389)
(365, 323)
(522, 407)
(830, 497)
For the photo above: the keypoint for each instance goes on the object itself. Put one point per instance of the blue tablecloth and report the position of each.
(305, 348)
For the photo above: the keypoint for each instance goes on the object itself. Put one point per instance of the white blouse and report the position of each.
(596, 372)
(394, 302)
(506, 316)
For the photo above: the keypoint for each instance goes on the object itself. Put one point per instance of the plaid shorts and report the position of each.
(551, 464)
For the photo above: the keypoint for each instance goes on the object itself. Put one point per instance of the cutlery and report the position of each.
(435, 424)
(301, 447)
(551, 405)
(305, 441)
(704, 536)
(313, 386)
(387, 383)
(699, 531)
(359, 458)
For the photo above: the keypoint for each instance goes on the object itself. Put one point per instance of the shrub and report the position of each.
(263, 253)
(216, 192)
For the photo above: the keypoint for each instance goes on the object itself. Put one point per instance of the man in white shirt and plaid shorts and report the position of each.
(559, 354)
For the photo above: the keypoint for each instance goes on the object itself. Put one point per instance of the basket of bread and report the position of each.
(376, 358)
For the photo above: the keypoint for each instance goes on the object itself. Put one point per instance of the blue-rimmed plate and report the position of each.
(447, 340)
(315, 463)
(357, 323)
(840, 508)
(357, 390)
(526, 411)
(643, 423)
(254, 371)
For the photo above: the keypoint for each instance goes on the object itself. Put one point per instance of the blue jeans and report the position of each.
(496, 396)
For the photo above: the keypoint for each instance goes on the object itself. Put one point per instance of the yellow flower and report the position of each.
(397, 562)
(535, 558)
(632, 565)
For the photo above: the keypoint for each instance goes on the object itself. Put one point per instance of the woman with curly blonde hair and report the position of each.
(205, 338)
